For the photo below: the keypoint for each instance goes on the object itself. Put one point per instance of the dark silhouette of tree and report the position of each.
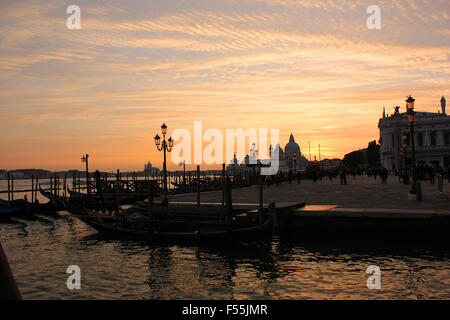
(373, 154)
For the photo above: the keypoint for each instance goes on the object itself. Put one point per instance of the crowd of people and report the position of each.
(423, 172)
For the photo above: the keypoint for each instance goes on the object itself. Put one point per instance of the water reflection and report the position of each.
(40, 250)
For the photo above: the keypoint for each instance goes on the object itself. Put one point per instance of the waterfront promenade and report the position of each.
(362, 192)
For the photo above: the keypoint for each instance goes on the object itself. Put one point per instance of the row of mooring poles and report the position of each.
(227, 192)
(34, 188)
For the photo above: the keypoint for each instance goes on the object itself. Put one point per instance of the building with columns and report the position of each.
(431, 138)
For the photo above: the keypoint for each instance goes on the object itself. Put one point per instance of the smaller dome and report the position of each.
(292, 146)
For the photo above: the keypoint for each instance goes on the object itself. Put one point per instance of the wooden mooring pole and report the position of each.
(32, 188)
(260, 194)
(35, 189)
(117, 190)
(65, 187)
(223, 184)
(9, 187)
(12, 188)
(198, 186)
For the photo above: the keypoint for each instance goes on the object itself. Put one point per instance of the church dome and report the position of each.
(292, 147)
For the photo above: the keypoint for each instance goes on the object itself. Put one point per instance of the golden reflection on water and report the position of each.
(40, 250)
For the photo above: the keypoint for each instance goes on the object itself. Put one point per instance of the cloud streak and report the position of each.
(301, 66)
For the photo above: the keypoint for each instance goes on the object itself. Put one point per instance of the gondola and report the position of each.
(55, 202)
(26, 208)
(124, 197)
(7, 213)
(179, 231)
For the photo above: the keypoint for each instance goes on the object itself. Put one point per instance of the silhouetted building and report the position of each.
(431, 137)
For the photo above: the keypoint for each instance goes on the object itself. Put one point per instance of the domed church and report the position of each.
(292, 148)
(287, 157)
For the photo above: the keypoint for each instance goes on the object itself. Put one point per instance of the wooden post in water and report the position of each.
(65, 187)
(9, 187)
(260, 194)
(32, 188)
(117, 190)
(223, 184)
(35, 189)
(198, 186)
(51, 184)
(12, 188)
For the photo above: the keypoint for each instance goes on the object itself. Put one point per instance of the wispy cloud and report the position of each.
(307, 66)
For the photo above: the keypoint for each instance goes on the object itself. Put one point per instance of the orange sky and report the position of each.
(310, 67)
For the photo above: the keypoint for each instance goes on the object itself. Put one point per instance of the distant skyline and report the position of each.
(310, 67)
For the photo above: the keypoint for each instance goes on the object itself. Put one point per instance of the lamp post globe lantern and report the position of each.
(412, 122)
(410, 103)
(157, 140)
(163, 128)
(164, 146)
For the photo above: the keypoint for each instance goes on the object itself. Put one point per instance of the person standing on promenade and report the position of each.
(384, 175)
(432, 175)
(343, 176)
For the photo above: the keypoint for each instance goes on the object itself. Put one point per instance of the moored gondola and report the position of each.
(180, 231)
(7, 213)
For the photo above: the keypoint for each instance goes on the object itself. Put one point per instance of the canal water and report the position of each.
(42, 248)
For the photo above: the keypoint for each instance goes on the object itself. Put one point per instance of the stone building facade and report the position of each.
(431, 138)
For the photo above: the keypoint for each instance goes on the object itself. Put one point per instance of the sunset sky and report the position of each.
(310, 67)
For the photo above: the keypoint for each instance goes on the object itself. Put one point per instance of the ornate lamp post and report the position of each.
(184, 171)
(412, 122)
(165, 146)
(85, 160)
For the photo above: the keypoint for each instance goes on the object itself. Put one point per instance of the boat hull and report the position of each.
(234, 233)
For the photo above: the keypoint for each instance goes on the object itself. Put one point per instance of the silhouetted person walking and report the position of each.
(431, 175)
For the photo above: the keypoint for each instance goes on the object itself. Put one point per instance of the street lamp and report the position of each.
(412, 122)
(164, 146)
(184, 171)
(254, 151)
(85, 160)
